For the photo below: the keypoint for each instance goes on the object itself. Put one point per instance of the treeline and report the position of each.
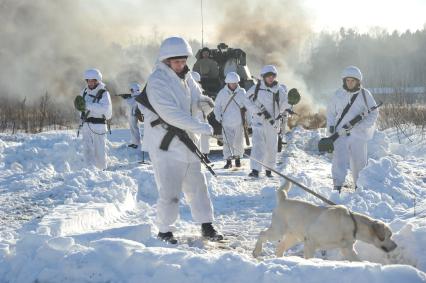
(44, 113)
(386, 59)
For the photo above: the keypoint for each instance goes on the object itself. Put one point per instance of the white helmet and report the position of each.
(93, 74)
(352, 72)
(196, 76)
(135, 87)
(268, 69)
(174, 47)
(232, 78)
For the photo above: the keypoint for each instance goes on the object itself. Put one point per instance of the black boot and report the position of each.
(268, 173)
(133, 145)
(228, 164)
(338, 188)
(167, 237)
(254, 173)
(206, 156)
(210, 233)
(237, 162)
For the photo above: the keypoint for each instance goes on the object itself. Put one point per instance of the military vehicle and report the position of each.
(228, 60)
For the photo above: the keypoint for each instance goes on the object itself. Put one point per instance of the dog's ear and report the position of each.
(379, 230)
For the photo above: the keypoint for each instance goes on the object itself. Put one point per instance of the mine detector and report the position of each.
(228, 60)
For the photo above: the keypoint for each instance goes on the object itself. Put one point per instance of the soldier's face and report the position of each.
(232, 86)
(205, 54)
(351, 83)
(92, 84)
(177, 65)
(270, 79)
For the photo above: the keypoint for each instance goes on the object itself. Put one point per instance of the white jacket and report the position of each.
(265, 97)
(101, 109)
(365, 129)
(131, 102)
(176, 100)
(231, 116)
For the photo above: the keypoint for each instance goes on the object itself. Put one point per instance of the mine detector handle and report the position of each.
(124, 95)
(326, 144)
(358, 118)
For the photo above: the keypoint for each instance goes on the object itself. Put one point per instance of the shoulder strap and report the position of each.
(99, 95)
(348, 106)
(276, 98)
(229, 102)
(85, 93)
(253, 97)
(365, 100)
(142, 98)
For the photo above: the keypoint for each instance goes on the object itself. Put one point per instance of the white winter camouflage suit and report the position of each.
(135, 135)
(350, 151)
(204, 139)
(230, 118)
(265, 135)
(94, 135)
(177, 169)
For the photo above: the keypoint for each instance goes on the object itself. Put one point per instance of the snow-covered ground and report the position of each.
(61, 222)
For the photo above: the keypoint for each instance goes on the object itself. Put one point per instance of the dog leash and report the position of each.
(327, 201)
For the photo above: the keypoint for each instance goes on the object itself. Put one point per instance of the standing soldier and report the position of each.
(172, 97)
(206, 66)
(350, 150)
(135, 116)
(204, 139)
(270, 99)
(94, 103)
(229, 110)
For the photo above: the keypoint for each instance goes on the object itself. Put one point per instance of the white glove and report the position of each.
(205, 129)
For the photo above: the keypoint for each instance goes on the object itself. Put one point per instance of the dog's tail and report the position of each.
(283, 190)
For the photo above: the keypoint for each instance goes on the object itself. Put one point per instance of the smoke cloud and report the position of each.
(47, 44)
(272, 32)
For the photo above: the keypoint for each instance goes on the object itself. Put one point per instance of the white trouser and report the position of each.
(349, 151)
(233, 141)
(265, 146)
(173, 177)
(94, 136)
(204, 144)
(135, 135)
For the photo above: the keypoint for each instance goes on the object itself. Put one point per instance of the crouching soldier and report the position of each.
(94, 103)
(270, 99)
(230, 105)
(173, 98)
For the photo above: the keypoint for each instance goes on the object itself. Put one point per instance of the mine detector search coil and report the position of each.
(326, 144)
(172, 131)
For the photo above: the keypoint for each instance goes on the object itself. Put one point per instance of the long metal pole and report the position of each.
(202, 25)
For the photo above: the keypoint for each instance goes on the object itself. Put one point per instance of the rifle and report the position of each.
(183, 136)
(245, 125)
(326, 144)
(187, 141)
(124, 95)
